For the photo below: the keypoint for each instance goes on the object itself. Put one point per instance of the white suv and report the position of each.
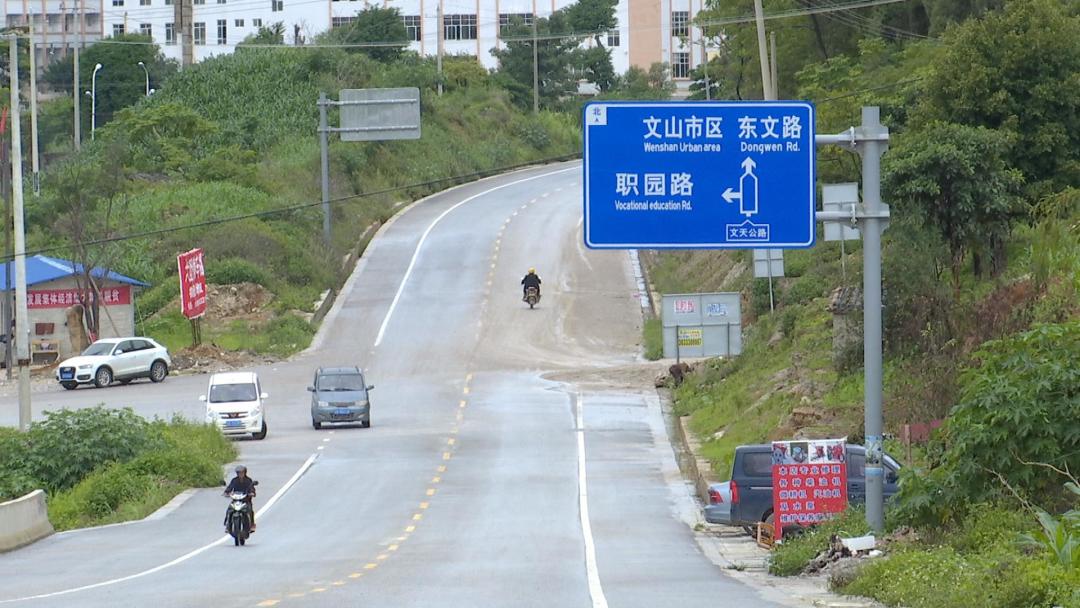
(115, 359)
(234, 402)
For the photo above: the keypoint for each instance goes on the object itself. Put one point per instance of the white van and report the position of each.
(234, 402)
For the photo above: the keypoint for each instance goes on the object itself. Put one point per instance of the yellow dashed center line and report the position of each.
(462, 403)
(417, 516)
(297, 595)
(423, 505)
(393, 547)
(338, 583)
(268, 603)
(318, 589)
(381, 557)
(465, 390)
(410, 529)
(370, 566)
(442, 468)
(356, 575)
(446, 455)
(431, 491)
(436, 479)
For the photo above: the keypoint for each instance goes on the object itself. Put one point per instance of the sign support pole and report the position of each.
(324, 149)
(869, 140)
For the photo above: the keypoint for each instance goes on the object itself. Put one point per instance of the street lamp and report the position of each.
(145, 71)
(93, 101)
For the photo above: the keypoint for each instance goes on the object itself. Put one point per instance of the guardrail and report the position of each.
(23, 521)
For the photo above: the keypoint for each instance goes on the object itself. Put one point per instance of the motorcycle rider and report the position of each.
(242, 483)
(531, 280)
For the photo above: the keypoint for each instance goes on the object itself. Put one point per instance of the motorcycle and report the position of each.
(532, 296)
(238, 517)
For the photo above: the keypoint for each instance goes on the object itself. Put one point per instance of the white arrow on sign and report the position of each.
(747, 195)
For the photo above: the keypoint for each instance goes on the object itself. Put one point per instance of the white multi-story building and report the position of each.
(648, 31)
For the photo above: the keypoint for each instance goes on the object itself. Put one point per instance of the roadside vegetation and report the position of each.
(981, 294)
(235, 136)
(102, 466)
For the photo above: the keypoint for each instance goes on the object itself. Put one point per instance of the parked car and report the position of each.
(115, 359)
(718, 511)
(750, 492)
(340, 395)
(235, 402)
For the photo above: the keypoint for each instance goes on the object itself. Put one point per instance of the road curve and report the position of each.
(499, 470)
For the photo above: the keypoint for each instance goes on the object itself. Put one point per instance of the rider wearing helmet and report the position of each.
(531, 280)
(242, 483)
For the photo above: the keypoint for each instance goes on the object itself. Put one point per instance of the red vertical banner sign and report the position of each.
(192, 283)
(809, 480)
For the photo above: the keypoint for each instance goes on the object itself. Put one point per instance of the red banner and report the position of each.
(62, 298)
(192, 283)
(809, 481)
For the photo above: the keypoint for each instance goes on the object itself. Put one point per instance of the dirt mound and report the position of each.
(208, 359)
(241, 300)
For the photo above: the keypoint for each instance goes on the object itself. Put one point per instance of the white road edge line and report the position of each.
(596, 590)
(423, 237)
(183, 558)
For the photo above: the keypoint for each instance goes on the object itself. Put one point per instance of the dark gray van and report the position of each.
(751, 482)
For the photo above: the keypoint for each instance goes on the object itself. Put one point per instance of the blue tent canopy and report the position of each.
(42, 269)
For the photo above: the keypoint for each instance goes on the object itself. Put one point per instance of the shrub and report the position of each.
(69, 444)
(236, 270)
(803, 290)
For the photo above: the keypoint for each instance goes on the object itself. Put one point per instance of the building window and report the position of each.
(613, 38)
(117, 29)
(680, 67)
(221, 1)
(222, 33)
(200, 32)
(459, 27)
(412, 27)
(144, 2)
(680, 23)
(341, 21)
(256, 23)
(168, 2)
(198, 1)
(118, 2)
(146, 29)
(506, 19)
(277, 5)
(170, 33)
(239, 23)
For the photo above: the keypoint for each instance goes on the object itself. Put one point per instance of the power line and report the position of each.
(891, 85)
(301, 206)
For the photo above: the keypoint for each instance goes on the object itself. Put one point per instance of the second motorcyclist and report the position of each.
(531, 280)
(242, 483)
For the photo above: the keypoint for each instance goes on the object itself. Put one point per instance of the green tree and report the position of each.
(267, 34)
(121, 82)
(955, 178)
(594, 64)
(555, 54)
(637, 83)
(375, 25)
(592, 16)
(1017, 70)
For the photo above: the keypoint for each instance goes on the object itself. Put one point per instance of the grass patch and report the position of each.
(653, 334)
(791, 557)
(282, 336)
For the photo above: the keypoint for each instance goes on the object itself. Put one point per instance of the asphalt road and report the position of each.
(483, 481)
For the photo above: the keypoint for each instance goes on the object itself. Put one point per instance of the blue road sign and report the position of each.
(716, 175)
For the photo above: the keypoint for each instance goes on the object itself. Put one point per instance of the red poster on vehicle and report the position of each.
(192, 283)
(809, 481)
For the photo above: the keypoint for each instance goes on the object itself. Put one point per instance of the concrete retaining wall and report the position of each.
(23, 521)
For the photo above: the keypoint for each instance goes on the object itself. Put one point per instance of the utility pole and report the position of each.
(763, 51)
(5, 185)
(76, 95)
(536, 70)
(22, 328)
(33, 112)
(440, 31)
(773, 69)
(705, 66)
